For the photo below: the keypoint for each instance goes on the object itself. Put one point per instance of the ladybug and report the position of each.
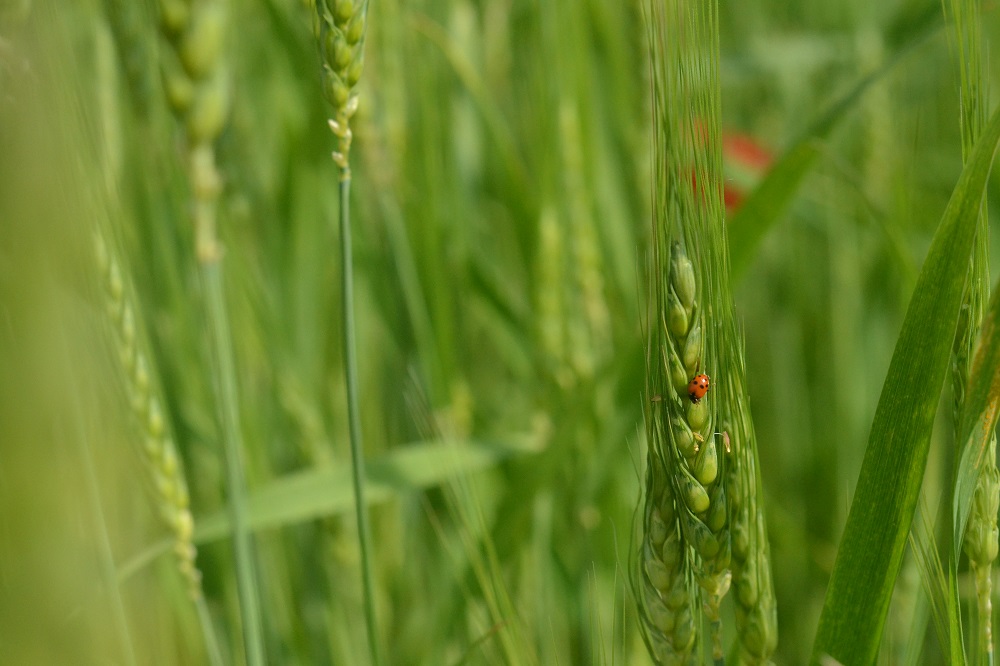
(698, 387)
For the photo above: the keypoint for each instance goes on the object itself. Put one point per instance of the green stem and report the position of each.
(209, 258)
(353, 416)
(984, 590)
(208, 628)
(108, 569)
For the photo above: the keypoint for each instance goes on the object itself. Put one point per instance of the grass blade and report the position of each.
(956, 644)
(318, 493)
(871, 548)
(322, 492)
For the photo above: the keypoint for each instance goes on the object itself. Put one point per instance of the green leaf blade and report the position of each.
(872, 545)
(320, 492)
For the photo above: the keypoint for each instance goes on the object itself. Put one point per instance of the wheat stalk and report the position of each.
(693, 331)
(341, 26)
(197, 90)
(980, 542)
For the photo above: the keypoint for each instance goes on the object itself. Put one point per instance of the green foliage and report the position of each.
(771, 198)
(501, 199)
(870, 554)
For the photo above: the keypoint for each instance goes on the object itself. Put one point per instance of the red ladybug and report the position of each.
(698, 387)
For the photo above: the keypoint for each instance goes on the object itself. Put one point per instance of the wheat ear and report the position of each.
(753, 590)
(158, 451)
(342, 25)
(695, 447)
(674, 434)
(664, 577)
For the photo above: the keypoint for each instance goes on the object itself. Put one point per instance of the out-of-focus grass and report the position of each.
(500, 200)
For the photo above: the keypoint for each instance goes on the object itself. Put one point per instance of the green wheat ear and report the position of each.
(753, 590)
(663, 578)
(681, 474)
(702, 481)
(157, 449)
(341, 27)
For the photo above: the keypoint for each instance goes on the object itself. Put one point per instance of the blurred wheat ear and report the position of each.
(156, 446)
(701, 476)
(197, 90)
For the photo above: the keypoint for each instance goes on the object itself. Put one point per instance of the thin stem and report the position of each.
(233, 447)
(984, 591)
(353, 416)
(208, 629)
(108, 570)
(204, 180)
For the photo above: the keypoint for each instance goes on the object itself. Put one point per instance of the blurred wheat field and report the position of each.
(500, 200)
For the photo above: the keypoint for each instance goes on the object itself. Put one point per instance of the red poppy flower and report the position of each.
(744, 163)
